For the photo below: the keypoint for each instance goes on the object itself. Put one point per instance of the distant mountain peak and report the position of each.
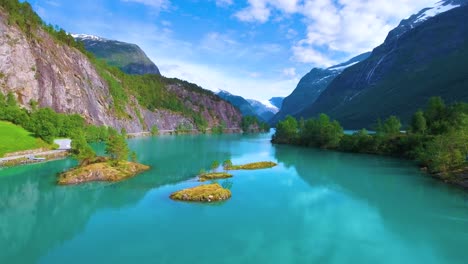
(86, 36)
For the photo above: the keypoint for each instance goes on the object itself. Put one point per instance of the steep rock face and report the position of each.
(61, 77)
(130, 58)
(212, 108)
(310, 87)
(428, 60)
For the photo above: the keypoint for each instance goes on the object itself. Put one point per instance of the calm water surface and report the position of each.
(315, 207)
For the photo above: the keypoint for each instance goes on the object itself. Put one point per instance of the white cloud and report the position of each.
(289, 72)
(214, 79)
(157, 4)
(310, 55)
(348, 26)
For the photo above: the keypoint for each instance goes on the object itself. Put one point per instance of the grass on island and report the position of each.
(101, 171)
(213, 176)
(203, 193)
(15, 138)
(253, 166)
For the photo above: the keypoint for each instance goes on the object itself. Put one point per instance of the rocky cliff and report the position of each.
(37, 67)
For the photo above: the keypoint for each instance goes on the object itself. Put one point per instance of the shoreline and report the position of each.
(13, 161)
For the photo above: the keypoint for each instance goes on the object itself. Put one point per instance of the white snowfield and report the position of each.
(433, 11)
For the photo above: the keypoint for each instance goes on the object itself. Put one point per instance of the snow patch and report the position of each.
(433, 11)
(86, 36)
(340, 68)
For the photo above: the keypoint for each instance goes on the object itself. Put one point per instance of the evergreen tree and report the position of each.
(116, 147)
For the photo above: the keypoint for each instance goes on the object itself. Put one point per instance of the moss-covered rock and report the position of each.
(101, 171)
(253, 166)
(213, 176)
(203, 193)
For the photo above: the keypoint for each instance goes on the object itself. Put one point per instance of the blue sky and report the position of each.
(254, 48)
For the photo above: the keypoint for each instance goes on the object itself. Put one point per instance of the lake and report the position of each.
(314, 207)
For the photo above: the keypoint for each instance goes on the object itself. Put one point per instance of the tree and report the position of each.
(286, 131)
(154, 130)
(133, 156)
(80, 148)
(11, 100)
(391, 126)
(116, 147)
(435, 114)
(418, 123)
(214, 165)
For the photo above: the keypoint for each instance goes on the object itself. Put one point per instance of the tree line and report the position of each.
(48, 125)
(437, 136)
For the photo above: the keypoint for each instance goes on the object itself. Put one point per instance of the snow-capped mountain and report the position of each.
(423, 15)
(311, 86)
(425, 56)
(128, 57)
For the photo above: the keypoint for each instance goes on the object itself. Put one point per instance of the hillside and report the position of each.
(417, 61)
(40, 64)
(238, 101)
(15, 138)
(128, 57)
(310, 87)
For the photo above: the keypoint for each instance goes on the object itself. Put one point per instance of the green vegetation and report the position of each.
(154, 130)
(213, 176)
(253, 166)
(251, 124)
(101, 170)
(23, 15)
(437, 136)
(81, 150)
(116, 147)
(204, 193)
(15, 138)
(214, 165)
(46, 124)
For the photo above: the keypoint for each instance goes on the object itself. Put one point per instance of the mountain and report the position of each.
(310, 87)
(130, 58)
(425, 56)
(250, 107)
(238, 101)
(263, 110)
(43, 65)
(276, 101)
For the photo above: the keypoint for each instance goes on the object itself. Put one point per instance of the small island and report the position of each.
(204, 193)
(113, 168)
(213, 176)
(101, 171)
(252, 166)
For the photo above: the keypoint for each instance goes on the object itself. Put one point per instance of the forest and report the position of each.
(437, 136)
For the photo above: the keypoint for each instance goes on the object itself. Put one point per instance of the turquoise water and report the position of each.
(315, 207)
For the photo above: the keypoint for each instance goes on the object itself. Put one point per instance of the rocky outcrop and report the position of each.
(212, 108)
(55, 75)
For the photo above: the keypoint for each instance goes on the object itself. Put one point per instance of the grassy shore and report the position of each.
(253, 166)
(15, 138)
(101, 171)
(203, 193)
(213, 176)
